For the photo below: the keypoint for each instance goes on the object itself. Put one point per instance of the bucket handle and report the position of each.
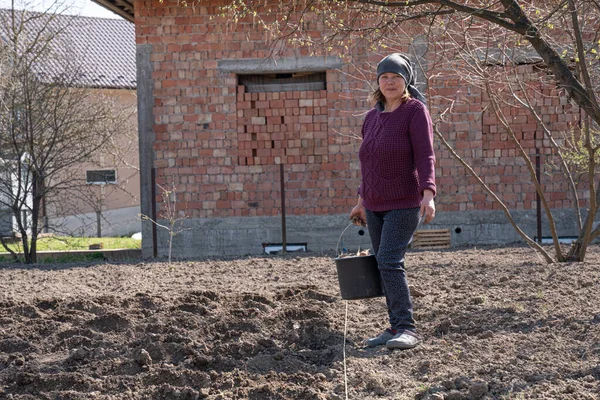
(337, 248)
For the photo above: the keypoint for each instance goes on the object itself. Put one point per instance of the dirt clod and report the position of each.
(143, 358)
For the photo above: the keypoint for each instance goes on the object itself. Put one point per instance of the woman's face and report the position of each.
(392, 86)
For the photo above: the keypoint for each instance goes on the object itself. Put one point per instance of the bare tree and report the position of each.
(513, 80)
(49, 122)
(479, 43)
(173, 213)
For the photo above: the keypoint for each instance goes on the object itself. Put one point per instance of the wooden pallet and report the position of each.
(431, 238)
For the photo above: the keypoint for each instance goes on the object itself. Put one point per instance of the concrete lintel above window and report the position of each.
(279, 65)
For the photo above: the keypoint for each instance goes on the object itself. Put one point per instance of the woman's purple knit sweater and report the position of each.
(396, 157)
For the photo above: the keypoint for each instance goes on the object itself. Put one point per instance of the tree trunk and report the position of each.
(35, 214)
(574, 251)
(9, 250)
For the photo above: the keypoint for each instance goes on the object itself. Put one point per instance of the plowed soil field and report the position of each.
(497, 324)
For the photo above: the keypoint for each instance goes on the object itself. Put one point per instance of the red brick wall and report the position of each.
(477, 135)
(222, 147)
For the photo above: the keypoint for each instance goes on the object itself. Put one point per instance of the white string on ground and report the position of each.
(344, 350)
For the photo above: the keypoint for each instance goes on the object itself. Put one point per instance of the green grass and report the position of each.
(66, 243)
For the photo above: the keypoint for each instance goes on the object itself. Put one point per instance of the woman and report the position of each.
(398, 186)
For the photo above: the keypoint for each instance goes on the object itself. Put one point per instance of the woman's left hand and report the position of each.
(427, 207)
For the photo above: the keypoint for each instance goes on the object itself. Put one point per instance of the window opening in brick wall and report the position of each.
(101, 176)
(283, 82)
(283, 119)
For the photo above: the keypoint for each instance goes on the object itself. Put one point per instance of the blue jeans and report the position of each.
(391, 232)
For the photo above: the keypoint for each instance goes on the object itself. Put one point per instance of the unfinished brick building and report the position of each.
(231, 127)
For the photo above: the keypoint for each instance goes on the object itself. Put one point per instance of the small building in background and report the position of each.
(105, 199)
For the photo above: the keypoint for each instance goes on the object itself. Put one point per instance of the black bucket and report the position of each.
(359, 277)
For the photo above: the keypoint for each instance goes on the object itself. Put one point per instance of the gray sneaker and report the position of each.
(403, 340)
(380, 340)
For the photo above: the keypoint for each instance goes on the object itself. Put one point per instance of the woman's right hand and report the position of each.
(358, 215)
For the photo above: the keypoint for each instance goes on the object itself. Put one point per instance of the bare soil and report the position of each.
(497, 324)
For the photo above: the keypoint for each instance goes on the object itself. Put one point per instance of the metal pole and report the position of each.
(538, 200)
(98, 224)
(44, 208)
(283, 232)
(153, 197)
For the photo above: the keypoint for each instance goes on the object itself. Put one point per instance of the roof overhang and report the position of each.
(124, 8)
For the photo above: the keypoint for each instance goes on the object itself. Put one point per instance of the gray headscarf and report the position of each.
(400, 64)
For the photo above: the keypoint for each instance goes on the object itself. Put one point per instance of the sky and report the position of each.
(72, 7)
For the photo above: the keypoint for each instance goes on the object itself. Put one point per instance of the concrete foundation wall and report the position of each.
(245, 235)
(492, 227)
(119, 222)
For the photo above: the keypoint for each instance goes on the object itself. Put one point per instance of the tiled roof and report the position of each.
(104, 48)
